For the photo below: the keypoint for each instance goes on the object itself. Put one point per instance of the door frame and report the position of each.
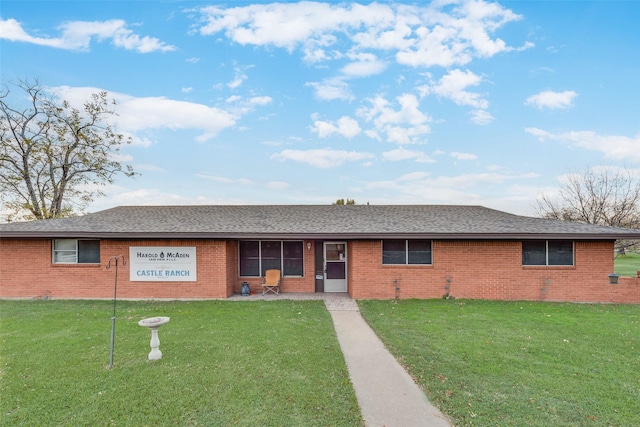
(345, 285)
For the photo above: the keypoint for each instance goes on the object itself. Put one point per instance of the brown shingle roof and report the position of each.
(311, 221)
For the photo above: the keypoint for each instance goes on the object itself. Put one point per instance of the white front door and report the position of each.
(335, 266)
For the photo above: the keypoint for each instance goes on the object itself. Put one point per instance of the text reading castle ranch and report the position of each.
(162, 264)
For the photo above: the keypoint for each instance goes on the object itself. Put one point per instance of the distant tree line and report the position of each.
(343, 202)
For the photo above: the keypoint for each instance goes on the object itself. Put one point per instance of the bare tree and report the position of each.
(596, 196)
(55, 158)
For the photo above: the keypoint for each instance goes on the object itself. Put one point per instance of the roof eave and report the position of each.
(316, 236)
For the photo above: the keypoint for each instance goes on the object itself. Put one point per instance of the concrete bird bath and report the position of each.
(154, 323)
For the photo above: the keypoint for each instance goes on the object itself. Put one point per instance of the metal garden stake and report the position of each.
(116, 260)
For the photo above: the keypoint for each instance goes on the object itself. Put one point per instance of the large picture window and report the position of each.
(256, 257)
(406, 252)
(547, 252)
(74, 251)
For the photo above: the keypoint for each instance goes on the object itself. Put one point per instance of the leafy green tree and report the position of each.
(54, 158)
(343, 202)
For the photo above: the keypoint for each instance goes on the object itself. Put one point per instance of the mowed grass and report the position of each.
(518, 363)
(628, 264)
(224, 363)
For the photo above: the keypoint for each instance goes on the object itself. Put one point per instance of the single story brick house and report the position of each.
(371, 252)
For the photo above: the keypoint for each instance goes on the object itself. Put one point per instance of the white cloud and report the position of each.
(463, 156)
(139, 114)
(246, 182)
(77, 35)
(147, 167)
(381, 37)
(363, 68)
(238, 106)
(277, 185)
(552, 100)
(345, 126)
(481, 117)
(539, 133)
(440, 34)
(239, 77)
(119, 157)
(322, 158)
(226, 180)
(144, 196)
(402, 153)
(616, 147)
(119, 196)
(236, 82)
(158, 112)
(421, 187)
(331, 89)
(260, 100)
(457, 36)
(412, 176)
(406, 125)
(286, 25)
(453, 86)
(136, 140)
(273, 143)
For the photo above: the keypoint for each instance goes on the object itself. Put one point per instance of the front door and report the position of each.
(335, 266)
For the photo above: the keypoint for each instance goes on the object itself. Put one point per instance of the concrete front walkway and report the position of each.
(386, 394)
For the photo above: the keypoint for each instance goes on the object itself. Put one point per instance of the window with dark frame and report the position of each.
(250, 258)
(258, 256)
(270, 256)
(292, 259)
(547, 252)
(406, 252)
(76, 251)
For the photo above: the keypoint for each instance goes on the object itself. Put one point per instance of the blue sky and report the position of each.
(449, 102)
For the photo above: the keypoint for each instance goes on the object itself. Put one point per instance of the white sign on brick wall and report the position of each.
(162, 264)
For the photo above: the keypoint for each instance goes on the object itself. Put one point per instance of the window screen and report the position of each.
(256, 257)
(74, 251)
(547, 252)
(406, 252)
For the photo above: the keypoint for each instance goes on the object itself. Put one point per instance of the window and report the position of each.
(406, 252)
(292, 258)
(249, 258)
(256, 257)
(271, 256)
(547, 252)
(73, 251)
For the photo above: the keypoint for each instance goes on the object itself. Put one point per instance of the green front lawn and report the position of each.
(628, 264)
(279, 364)
(224, 363)
(487, 363)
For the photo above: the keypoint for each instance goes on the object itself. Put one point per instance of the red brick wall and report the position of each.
(471, 269)
(232, 268)
(626, 291)
(26, 271)
(489, 270)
